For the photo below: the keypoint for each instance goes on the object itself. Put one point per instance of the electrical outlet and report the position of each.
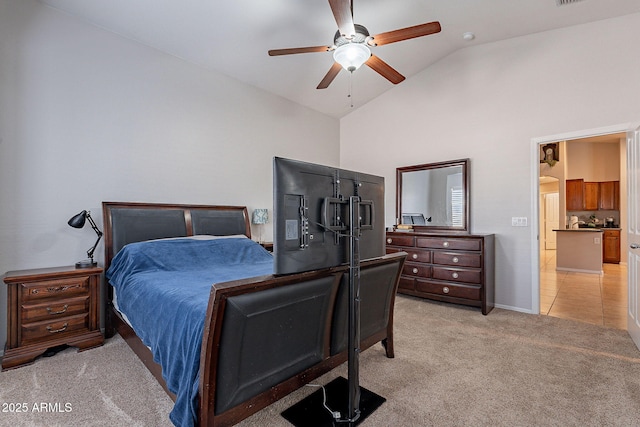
(519, 221)
(596, 240)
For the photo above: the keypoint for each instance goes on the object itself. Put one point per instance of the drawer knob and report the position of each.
(445, 244)
(415, 270)
(445, 289)
(455, 259)
(389, 240)
(414, 256)
(55, 331)
(64, 308)
(454, 275)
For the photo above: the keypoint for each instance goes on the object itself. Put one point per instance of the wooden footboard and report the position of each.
(384, 274)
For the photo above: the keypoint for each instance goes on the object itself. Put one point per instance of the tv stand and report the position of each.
(352, 403)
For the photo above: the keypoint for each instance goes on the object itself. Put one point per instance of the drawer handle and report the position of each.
(445, 244)
(415, 270)
(57, 288)
(389, 240)
(55, 331)
(454, 275)
(445, 289)
(64, 309)
(414, 256)
(455, 259)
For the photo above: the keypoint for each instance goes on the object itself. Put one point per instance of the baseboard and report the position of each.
(508, 307)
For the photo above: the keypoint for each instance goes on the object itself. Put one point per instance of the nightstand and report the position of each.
(267, 245)
(50, 307)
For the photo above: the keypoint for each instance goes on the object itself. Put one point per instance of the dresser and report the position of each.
(50, 307)
(452, 268)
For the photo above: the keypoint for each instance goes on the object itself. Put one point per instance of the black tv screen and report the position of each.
(312, 219)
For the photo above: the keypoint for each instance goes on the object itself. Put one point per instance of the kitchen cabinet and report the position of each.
(611, 246)
(609, 195)
(591, 196)
(575, 194)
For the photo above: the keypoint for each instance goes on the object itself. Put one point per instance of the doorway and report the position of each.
(592, 298)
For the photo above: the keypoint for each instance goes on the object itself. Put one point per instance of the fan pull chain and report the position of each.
(350, 89)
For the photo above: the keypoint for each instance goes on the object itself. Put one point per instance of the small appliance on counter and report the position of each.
(608, 222)
(573, 222)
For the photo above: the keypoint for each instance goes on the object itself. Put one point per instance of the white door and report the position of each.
(633, 234)
(551, 219)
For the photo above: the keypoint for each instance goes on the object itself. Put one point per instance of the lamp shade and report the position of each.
(351, 55)
(260, 216)
(77, 221)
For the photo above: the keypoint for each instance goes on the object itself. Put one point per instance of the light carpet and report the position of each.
(453, 367)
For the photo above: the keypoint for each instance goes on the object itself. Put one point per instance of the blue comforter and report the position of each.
(163, 288)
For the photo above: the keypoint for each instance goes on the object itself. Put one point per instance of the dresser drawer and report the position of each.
(52, 329)
(53, 309)
(417, 255)
(456, 275)
(407, 283)
(457, 259)
(400, 240)
(448, 289)
(416, 269)
(449, 243)
(59, 288)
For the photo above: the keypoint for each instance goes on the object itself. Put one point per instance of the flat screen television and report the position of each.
(311, 205)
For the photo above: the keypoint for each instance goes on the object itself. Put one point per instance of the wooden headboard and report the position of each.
(126, 222)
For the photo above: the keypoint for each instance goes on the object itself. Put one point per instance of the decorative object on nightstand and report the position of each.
(260, 217)
(49, 308)
(77, 221)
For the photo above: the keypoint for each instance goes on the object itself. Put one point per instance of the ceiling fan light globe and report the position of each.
(351, 55)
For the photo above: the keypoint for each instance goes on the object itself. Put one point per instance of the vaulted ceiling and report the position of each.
(233, 37)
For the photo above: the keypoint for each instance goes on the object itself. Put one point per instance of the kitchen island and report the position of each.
(579, 250)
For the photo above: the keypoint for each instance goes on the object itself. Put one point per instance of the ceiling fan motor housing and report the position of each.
(362, 36)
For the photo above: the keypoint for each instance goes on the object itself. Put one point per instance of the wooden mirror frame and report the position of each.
(464, 163)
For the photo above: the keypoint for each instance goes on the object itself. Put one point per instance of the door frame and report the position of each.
(535, 194)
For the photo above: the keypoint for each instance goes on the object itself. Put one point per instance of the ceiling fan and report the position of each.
(352, 42)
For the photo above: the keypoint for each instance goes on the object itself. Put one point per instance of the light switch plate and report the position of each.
(519, 221)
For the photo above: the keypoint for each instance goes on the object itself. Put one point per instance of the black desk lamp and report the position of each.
(77, 221)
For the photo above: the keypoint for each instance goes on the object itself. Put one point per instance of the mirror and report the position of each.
(433, 196)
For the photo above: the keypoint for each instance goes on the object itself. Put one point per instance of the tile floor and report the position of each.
(591, 298)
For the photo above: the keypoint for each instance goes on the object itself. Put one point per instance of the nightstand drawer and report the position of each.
(53, 309)
(53, 329)
(58, 288)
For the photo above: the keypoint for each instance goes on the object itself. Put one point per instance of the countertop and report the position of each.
(589, 230)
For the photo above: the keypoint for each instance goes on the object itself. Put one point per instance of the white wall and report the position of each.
(87, 116)
(487, 103)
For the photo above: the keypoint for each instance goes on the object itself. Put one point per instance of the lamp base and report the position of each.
(311, 412)
(87, 263)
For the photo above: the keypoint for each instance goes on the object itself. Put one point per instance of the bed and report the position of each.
(237, 338)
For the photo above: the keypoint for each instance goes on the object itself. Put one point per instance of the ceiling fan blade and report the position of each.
(406, 33)
(328, 78)
(344, 17)
(384, 69)
(294, 50)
